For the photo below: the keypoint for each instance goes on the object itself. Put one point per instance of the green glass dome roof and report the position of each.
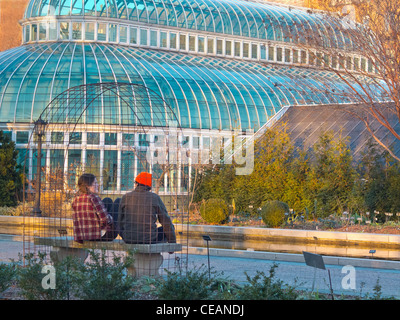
(230, 17)
(204, 92)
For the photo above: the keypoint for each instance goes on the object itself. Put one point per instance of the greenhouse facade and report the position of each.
(221, 66)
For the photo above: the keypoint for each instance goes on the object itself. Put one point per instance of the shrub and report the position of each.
(7, 211)
(214, 211)
(273, 213)
(7, 274)
(100, 279)
(262, 287)
(30, 278)
(196, 284)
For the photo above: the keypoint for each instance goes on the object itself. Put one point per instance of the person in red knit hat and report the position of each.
(139, 211)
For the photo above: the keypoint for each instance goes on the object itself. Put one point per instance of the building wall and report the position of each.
(11, 11)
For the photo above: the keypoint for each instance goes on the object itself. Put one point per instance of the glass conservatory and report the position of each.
(220, 65)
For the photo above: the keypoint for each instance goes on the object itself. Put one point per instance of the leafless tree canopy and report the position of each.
(368, 61)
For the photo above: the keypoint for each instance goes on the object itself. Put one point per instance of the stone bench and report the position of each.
(147, 257)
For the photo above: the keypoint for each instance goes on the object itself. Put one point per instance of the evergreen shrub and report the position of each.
(214, 211)
(273, 213)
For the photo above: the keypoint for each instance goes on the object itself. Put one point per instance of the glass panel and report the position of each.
(21, 156)
(237, 49)
(219, 46)
(370, 65)
(123, 34)
(77, 67)
(163, 39)
(228, 48)
(35, 160)
(363, 64)
(171, 14)
(279, 56)
(75, 138)
(34, 32)
(206, 142)
(102, 32)
(303, 57)
(42, 31)
(90, 9)
(143, 140)
(112, 33)
(152, 12)
(133, 36)
(142, 163)
(57, 137)
(172, 40)
(356, 64)
(326, 60)
(112, 10)
(348, 63)
(158, 176)
(318, 59)
(141, 11)
(287, 55)
(311, 58)
(295, 56)
(64, 30)
(162, 17)
(92, 162)
(57, 162)
(182, 41)
(263, 52)
(22, 137)
(200, 44)
(110, 139)
(27, 33)
(153, 38)
(192, 43)
(127, 170)
(93, 138)
(76, 31)
(110, 169)
(254, 51)
(210, 45)
(143, 37)
(89, 31)
(77, 8)
(334, 62)
(65, 7)
(74, 163)
(53, 31)
(245, 50)
(128, 139)
(101, 8)
(271, 53)
(8, 134)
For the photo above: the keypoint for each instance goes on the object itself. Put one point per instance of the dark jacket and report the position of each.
(138, 214)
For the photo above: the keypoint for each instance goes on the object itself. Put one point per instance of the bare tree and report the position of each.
(367, 60)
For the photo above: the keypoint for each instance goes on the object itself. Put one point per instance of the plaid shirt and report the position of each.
(90, 217)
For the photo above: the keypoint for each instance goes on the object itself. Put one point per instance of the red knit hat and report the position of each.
(144, 178)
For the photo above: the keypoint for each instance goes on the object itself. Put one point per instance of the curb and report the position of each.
(294, 257)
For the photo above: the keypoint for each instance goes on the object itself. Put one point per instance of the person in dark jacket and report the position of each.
(138, 213)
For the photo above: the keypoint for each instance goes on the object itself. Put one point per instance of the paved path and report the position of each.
(302, 276)
(358, 280)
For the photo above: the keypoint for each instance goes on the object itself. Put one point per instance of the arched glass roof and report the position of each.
(230, 17)
(204, 92)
